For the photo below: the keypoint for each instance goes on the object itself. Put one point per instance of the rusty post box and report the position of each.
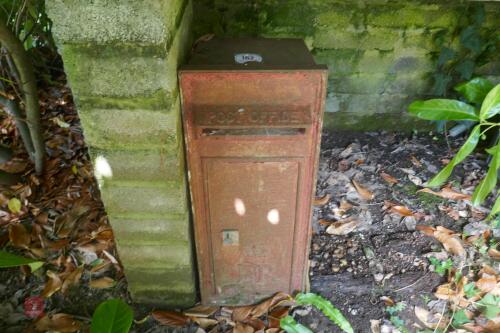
(252, 113)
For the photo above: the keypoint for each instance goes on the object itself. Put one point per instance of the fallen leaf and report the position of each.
(324, 222)
(242, 328)
(375, 326)
(415, 162)
(268, 304)
(204, 322)
(14, 205)
(170, 318)
(362, 191)
(19, 236)
(494, 253)
(387, 300)
(428, 230)
(102, 283)
(342, 228)
(52, 285)
(401, 210)
(388, 178)
(59, 322)
(487, 283)
(447, 193)
(201, 311)
(430, 320)
(323, 200)
(72, 279)
(241, 313)
(450, 243)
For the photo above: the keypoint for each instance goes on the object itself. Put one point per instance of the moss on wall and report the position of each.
(381, 53)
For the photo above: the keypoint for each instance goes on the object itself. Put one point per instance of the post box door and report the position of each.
(252, 210)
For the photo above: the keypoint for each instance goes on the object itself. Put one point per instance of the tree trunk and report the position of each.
(28, 86)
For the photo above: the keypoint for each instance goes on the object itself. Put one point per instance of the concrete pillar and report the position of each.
(121, 59)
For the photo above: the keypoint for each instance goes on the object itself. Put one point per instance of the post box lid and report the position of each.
(251, 54)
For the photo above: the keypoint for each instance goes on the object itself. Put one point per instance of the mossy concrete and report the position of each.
(121, 60)
(370, 46)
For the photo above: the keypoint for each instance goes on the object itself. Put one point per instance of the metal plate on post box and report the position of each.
(252, 131)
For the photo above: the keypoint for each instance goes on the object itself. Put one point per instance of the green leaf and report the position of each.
(489, 181)
(291, 326)
(327, 308)
(443, 109)
(14, 205)
(490, 306)
(460, 318)
(112, 316)
(470, 290)
(445, 55)
(463, 152)
(466, 69)
(496, 207)
(470, 39)
(491, 103)
(475, 90)
(11, 260)
(441, 82)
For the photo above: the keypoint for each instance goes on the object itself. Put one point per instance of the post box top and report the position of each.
(251, 54)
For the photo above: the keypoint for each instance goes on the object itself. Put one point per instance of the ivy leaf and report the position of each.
(112, 316)
(291, 326)
(327, 308)
(475, 90)
(470, 39)
(445, 55)
(441, 82)
(466, 68)
(443, 109)
(463, 152)
(470, 290)
(491, 103)
(489, 181)
(460, 318)
(490, 305)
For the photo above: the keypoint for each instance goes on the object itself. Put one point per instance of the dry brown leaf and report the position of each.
(345, 205)
(203, 322)
(170, 318)
(430, 320)
(415, 162)
(52, 285)
(102, 283)
(256, 324)
(72, 279)
(269, 304)
(494, 253)
(388, 178)
(325, 222)
(428, 230)
(401, 210)
(241, 313)
(364, 193)
(19, 236)
(387, 300)
(243, 328)
(447, 193)
(487, 283)
(342, 228)
(451, 244)
(375, 326)
(59, 322)
(201, 311)
(445, 291)
(323, 200)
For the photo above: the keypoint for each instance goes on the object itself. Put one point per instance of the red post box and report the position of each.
(252, 112)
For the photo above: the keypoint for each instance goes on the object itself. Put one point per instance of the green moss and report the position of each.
(159, 100)
(429, 200)
(396, 122)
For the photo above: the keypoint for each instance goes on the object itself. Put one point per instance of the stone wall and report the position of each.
(381, 53)
(121, 59)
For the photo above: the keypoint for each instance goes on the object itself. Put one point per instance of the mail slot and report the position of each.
(252, 114)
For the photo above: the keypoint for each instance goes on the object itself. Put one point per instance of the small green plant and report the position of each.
(112, 316)
(394, 318)
(325, 306)
(484, 105)
(441, 266)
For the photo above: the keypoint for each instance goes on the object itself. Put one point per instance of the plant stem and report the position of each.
(29, 89)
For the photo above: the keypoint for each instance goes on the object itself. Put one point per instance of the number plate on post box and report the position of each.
(252, 113)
